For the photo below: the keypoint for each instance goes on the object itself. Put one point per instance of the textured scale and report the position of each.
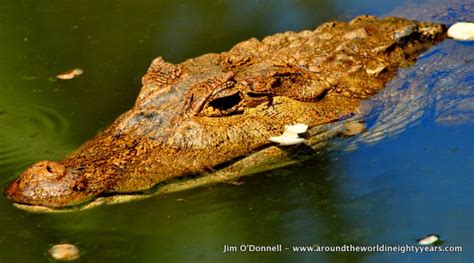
(217, 111)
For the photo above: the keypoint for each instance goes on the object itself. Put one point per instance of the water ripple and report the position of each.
(438, 86)
(29, 132)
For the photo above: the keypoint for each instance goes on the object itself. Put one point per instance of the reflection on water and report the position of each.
(393, 192)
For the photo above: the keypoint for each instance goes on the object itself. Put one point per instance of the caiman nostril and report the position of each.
(46, 169)
(47, 183)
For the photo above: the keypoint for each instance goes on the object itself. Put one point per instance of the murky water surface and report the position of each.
(392, 192)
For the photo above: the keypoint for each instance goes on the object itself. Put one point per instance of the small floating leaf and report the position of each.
(70, 74)
(290, 135)
(428, 240)
(286, 140)
(296, 128)
(64, 252)
(462, 31)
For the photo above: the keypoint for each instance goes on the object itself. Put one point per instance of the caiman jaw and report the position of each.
(48, 184)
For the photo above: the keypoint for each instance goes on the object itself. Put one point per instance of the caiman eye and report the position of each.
(226, 103)
(223, 106)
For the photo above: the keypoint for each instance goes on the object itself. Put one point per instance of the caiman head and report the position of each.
(204, 113)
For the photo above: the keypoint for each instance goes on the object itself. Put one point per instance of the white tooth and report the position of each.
(286, 140)
(296, 128)
(462, 31)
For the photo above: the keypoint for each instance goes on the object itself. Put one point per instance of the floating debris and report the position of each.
(296, 129)
(64, 252)
(353, 128)
(70, 74)
(286, 141)
(290, 135)
(428, 240)
(462, 31)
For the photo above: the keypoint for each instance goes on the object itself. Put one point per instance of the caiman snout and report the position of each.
(48, 183)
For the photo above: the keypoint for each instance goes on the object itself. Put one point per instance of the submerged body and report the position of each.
(213, 115)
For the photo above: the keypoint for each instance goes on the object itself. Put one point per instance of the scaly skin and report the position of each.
(210, 112)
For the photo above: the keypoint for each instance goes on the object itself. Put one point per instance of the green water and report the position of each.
(396, 191)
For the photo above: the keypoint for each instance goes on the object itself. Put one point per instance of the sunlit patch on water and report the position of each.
(30, 131)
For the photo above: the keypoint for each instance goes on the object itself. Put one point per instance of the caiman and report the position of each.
(209, 119)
